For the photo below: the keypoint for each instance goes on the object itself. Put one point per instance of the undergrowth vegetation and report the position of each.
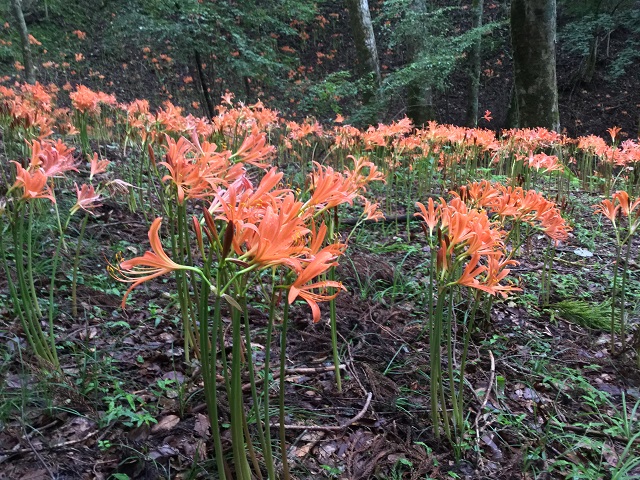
(221, 227)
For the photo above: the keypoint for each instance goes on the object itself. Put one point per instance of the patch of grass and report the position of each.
(595, 316)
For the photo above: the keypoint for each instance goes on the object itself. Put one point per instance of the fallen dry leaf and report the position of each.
(165, 424)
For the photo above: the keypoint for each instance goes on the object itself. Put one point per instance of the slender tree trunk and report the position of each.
(204, 85)
(588, 70)
(29, 69)
(512, 112)
(365, 40)
(420, 106)
(474, 66)
(533, 38)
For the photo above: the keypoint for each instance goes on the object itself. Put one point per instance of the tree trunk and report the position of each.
(474, 66)
(512, 112)
(420, 106)
(365, 40)
(533, 37)
(29, 69)
(204, 85)
(589, 67)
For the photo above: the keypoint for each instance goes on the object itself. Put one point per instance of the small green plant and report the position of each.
(126, 408)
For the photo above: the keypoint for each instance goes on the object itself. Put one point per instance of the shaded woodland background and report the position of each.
(300, 57)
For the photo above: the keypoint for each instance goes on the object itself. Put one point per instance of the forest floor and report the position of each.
(544, 398)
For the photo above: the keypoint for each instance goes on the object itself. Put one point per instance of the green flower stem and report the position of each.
(465, 352)
(76, 265)
(283, 364)
(18, 242)
(177, 249)
(614, 293)
(452, 384)
(333, 225)
(32, 286)
(268, 451)
(243, 471)
(15, 297)
(30, 321)
(623, 330)
(209, 356)
(436, 364)
(252, 378)
(250, 450)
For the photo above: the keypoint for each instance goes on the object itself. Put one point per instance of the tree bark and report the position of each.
(420, 105)
(533, 38)
(204, 85)
(29, 68)
(365, 40)
(471, 120)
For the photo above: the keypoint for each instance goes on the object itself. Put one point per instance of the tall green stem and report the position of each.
(614, 293)
(283, 365)
(243, 471)
(34, 295)
(76, 265)
(254, 391)
(209, 369)
(456, 421)
(623, 287)
(268, 452)
(333, 225)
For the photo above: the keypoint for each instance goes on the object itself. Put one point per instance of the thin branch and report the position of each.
(48, 447)
(331, 428)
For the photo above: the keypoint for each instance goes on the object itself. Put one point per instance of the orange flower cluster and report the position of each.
(197, 169)
(544, 162)
(466, 237)
(30, 108)
(86, 100)
(627, 154)
(267, 226)
(50, 159)
(517, 204)
(621, 204)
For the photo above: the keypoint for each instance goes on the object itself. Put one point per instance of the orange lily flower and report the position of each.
(496, 272)
(87, 199)
(623, 200)
(34, 184)
(372, 211)
(275, 241)
(152, 264)
(98, 166)
(471, 270)
(431, 216)
(324, 260)
(608, 209)
(253, 150)
(52, 158)
(330, 188)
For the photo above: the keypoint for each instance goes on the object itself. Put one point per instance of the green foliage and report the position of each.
(584, 24)
(127, 408)
(324, 97)
(435, 48)
(238, 40)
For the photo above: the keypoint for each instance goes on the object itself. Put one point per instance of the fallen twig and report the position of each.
(50, 447)
(331, 428)
(593, 433)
